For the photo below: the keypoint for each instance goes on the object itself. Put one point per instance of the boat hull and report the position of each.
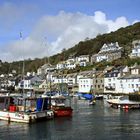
(115, 103)
(25, 117)
(62, 112)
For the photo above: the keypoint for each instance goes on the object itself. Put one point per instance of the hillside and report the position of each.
(124, 36)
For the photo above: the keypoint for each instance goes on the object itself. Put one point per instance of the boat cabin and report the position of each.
(20, 104)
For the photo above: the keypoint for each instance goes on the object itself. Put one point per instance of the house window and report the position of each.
(132, 85)
(137, 85)
(109, 80)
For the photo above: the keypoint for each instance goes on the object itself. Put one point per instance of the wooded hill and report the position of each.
(124, 36)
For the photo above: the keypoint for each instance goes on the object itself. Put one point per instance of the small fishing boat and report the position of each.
(92, 102)
(124, 103)
(60, 108)
(99, 97)
(25, 110)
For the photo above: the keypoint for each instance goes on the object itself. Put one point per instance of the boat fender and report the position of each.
(8, 115)
(22, 115)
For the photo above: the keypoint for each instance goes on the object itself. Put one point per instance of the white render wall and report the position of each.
(135, 71)
(100, 58)
(60, 66)
(129, 85)
(82, 58)
(136, 51)
(70, 65)
(59, 80)
(111, 81)
(71, 81)
(85, 85)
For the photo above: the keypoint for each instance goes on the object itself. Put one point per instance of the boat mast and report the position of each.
(49, 77)
(23, 64)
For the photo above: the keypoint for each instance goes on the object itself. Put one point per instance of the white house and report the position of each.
(130, 83)
(60, 65)
(85, 84)
(83, 60)
(83, 74)
(71, 79)
(45, 68)
(135, 70)
(136, 49)
(28, 82)
(59, 79)
(111, 81)
(70, 65)
(108, 52)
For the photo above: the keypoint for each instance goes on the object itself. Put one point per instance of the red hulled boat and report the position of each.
(59, 107)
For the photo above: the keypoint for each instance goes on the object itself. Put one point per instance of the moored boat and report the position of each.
(92, 102)
(99, 97)
(124, 103)
(59, 107)
(26, 110)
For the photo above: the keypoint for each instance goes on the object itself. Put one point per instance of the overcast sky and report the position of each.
(48, 26)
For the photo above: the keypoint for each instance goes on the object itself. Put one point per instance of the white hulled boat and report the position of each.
(26, 110)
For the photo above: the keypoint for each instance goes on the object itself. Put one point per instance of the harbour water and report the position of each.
(97, 122)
